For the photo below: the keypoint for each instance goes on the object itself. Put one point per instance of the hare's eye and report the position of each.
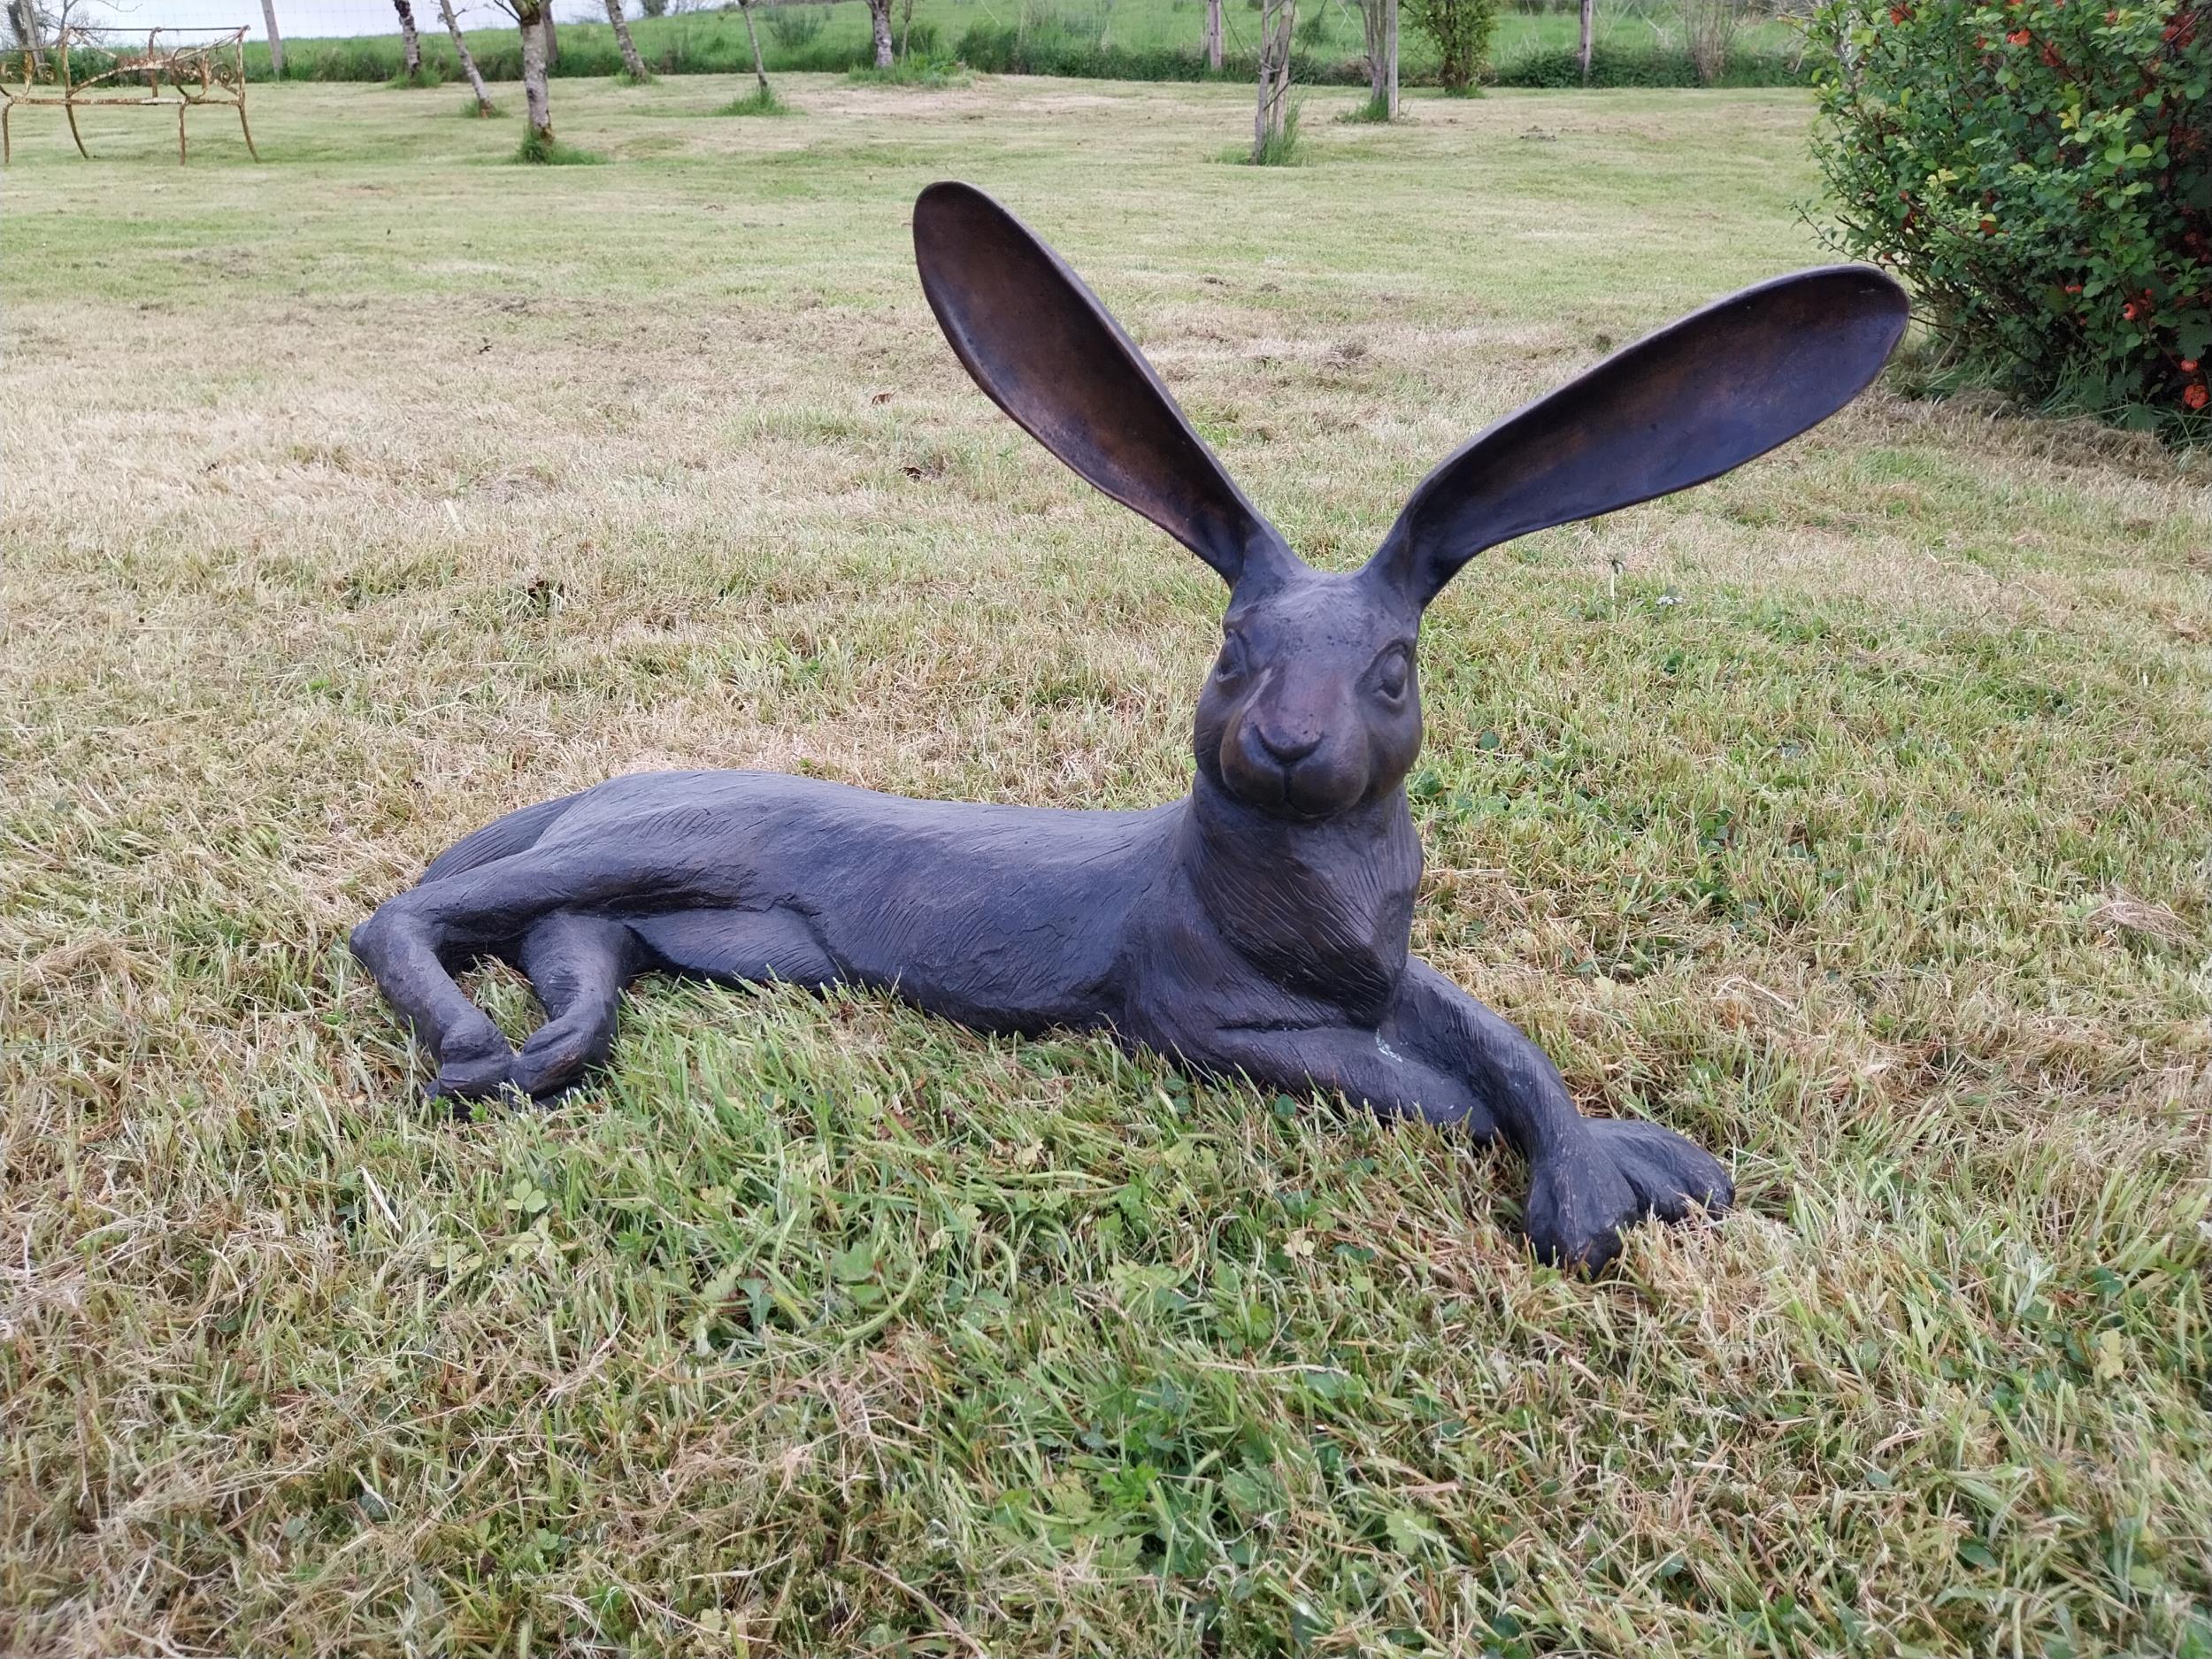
(1391, 672)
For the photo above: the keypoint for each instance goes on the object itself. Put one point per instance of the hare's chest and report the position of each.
(1347, 949)
(1289, 948)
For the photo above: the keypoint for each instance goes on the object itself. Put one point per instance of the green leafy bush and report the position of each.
(1461, 30)
(2042, 171)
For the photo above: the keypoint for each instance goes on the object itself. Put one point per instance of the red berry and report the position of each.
(2195, 397)
(2128, 310)
(2018, 37)
(2188, 365)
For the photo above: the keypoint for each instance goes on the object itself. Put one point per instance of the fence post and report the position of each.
(276, 40)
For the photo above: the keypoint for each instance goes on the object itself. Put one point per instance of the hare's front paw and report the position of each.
(1581, 1198)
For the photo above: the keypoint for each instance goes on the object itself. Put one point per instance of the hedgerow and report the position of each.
(2042, 171)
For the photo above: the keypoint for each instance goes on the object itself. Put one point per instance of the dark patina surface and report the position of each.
(1258, 926)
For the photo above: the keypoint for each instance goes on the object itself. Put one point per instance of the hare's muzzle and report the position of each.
(1293, 770)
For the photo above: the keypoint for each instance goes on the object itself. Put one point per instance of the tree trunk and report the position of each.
(760, 69)
(1212, 39)
(410, 42)
(1277, 18)
(1589, 16)
(552, 36)
(276, 40)
(26, 28)
(631, 62)
(880, 21)
(1379, 20)
(1390, 51)
(538, 109)
(467, 58)
(906, 26)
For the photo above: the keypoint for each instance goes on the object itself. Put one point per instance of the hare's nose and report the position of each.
(1286, 751)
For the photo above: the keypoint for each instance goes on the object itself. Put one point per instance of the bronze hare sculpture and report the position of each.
(1259, 926)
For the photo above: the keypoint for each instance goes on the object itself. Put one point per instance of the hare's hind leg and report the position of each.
(414, 941)
(404, 958)
(739, 947)
(578, 965)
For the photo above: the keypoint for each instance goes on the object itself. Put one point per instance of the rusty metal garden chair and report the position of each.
(167, 74)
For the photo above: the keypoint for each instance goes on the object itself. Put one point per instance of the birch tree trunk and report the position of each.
(538, 108)
(631, 62)
(1378, 21)
(467, 58)
(760, 69)
(410, 42)
(1212, 38)
(1390, 51)
(1277, 18)
(880, 21)
(276, 40)
(1589, 16)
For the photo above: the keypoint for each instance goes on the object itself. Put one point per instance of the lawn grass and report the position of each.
(1849, 814)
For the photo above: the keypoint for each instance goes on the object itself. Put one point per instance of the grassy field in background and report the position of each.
(1329, 34)
(1849, 814)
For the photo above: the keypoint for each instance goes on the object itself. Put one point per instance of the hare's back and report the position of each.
(1001, 916)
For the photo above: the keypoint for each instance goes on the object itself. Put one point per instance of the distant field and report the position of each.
(1848, 815)
(836, 35)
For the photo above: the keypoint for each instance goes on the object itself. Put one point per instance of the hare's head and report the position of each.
(1314, 705)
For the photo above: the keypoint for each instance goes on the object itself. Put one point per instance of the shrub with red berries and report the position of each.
(2042, 173)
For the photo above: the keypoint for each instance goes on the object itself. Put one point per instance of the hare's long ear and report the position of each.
(1680, 406)
(1039, 344)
